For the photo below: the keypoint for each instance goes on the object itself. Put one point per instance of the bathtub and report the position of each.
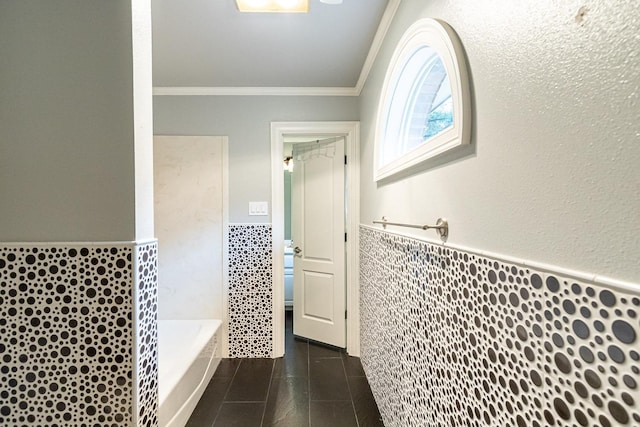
(188, 355)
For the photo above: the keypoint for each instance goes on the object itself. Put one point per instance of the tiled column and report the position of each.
(77, 320)
(250, 295)
(78, 339)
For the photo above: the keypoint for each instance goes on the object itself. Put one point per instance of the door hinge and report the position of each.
(345, 237)
(345, 314)
(345, 160)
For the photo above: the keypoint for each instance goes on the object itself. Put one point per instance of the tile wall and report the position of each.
(145, 314)
(250, 291)
(454, 338)
(78, 340)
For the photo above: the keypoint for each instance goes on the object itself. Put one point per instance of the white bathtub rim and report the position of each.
(168, 378)
(183, 414)
(188, 372)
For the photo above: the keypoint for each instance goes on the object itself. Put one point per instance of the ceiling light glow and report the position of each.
(257, 3)
(290, 6)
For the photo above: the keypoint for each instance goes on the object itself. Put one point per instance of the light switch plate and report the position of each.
(258, 208)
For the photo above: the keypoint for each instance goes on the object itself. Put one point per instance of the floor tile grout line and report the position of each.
(345, 359)
(226, 393)
(353, 404)
(306, 343)
(266, 399)
(349, 366)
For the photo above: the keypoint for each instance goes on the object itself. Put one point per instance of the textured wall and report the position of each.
(246, 120)
(250, 292)
(552, 174)
(451, 337)
(78, 334)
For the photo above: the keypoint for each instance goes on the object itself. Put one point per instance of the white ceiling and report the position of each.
(208, 43)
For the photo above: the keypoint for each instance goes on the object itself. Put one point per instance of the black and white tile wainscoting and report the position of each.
(250, 292)
(454, 338)
(145, 369)
(78, 337)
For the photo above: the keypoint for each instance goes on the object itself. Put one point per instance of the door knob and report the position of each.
(297, 250)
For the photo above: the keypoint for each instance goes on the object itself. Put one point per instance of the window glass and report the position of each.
(432, 109)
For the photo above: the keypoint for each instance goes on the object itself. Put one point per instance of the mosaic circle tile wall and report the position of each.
(67, 334)
(250, 298)
(454, 338)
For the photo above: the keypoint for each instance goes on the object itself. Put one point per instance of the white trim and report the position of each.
(277, 235)
(81, 243)
(353, 242)
(619, 285)
(401, 83)
(255, 91)
(376, 44)
(264, 224)
(378, 39)
(351, 132)
(225, 247)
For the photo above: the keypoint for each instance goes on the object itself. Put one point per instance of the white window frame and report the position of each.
(440, 37)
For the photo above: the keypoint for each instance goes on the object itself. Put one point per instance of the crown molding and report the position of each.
(379, 37)
(254, 91)
(381, 33)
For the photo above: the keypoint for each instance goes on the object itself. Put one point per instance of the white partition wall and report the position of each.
(190, 192)
(77, 251)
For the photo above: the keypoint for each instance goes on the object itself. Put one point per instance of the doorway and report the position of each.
(305, 131)
(318, 230)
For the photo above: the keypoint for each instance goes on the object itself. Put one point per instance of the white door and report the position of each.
(318, 238)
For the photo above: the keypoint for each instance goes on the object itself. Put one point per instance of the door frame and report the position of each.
(351, 132)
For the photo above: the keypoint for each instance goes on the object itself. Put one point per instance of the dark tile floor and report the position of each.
(311, 386)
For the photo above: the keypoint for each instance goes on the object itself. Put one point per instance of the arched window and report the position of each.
(425, 105)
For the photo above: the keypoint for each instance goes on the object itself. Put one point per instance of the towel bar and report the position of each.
(441, 227)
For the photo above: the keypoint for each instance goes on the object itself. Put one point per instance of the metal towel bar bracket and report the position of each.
(441, 227)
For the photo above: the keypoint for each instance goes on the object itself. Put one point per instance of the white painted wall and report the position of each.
(189, 204)
(143, 118)
(553, 174)
(246, 120)
(67, 167)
